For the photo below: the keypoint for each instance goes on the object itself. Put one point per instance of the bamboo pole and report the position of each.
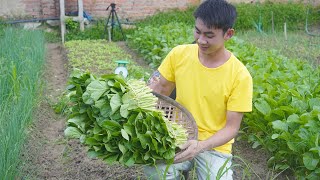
(62, 20)
(80, 14)
(272, 22)
(285, 31)
(109, 33)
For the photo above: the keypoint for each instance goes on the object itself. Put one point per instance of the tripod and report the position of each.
(113, 14)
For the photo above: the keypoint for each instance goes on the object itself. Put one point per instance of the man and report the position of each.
(214, 86)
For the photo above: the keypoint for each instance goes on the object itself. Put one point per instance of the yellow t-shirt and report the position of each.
(208, 92)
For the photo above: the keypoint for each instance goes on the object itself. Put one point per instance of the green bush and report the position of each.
(260, 14)
(155, 42)
(174, 15)
(96, 30)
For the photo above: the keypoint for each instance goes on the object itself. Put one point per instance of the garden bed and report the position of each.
(50, 156)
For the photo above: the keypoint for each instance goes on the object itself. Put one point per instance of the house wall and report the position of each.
(131, 9)
(29, 8)
(126, 9)
(13, 7)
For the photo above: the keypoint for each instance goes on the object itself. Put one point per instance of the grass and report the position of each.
(297, 45)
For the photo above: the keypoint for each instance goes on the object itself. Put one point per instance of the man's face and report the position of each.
(209, 40)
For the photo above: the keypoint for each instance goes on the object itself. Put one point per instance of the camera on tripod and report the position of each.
(114, 17)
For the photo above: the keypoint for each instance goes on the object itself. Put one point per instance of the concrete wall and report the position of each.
(131, 9)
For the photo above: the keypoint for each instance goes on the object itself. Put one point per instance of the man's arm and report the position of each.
(228, 132)
(163, 86)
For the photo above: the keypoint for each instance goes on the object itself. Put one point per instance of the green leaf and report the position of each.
(129, 129)
(155, 144)
(123, 88)
(146, 156)
(94, 154)
(122, 148)
(294, 93)
(278, 112)
(116, 116)
(310, 161)
(304, 134)
(116, 77)
(124, 110)
(96, 88)
(111, 83)
(91, 141)
(97, 148)
(126, 158)
(271, 161)
(98, 104)
(111, 158)
(280, 125)
(274, 136)
(314, 102)
(105, 110)
(77, 121)
(300, 105)
(316, 150)
(294, 118)
(111, 148)
(145, 140)
(99, 137)
(288, 109)
(130, 162)
(82, 139)
(124, 134)
(292, 146)
(112, 125)
(256, 144)
(72, 132)
(115, 102)
(263, 107)
(305, 117)
(87, 98)
(169, 154)
(127, 99)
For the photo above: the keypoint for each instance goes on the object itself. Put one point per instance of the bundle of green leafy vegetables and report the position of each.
(118, 121)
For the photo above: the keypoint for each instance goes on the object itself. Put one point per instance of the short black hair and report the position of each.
(217, 14)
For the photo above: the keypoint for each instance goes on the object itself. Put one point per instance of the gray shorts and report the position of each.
(209, 165)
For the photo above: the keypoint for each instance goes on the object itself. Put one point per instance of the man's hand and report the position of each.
(189, 150)
(163, 86)
(224, 135)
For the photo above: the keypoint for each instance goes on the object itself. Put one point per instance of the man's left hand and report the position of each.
(189, 150)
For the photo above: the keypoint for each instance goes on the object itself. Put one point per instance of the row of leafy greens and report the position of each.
(118, 121)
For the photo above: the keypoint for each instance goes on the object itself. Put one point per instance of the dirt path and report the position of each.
(52, 157)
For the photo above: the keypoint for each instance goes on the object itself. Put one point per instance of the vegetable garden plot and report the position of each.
(21, 63)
